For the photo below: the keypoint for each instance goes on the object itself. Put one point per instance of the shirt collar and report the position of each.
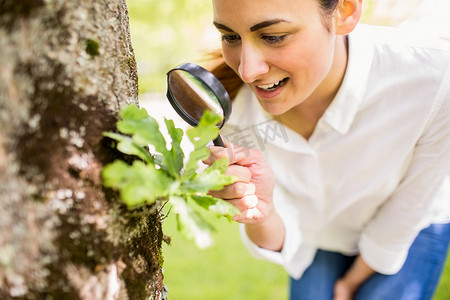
(342, 110)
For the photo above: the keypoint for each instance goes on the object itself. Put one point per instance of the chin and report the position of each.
(274, 109)
(276, 106)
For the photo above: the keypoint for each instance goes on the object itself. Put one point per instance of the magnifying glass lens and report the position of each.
(192, 90)
(192, 96)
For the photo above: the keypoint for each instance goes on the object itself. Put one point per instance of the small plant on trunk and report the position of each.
(160, 175)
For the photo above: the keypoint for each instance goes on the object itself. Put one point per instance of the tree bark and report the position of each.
(66, 68)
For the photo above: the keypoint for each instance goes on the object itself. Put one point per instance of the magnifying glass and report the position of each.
(192, 90)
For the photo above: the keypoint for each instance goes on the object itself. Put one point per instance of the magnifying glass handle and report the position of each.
(219, 142)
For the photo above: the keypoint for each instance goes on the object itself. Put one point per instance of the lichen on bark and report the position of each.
(62, 235)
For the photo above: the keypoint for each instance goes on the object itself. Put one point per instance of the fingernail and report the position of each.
(251, 201)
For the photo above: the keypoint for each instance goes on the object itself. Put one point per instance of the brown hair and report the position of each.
(328, 6)
(230, 80)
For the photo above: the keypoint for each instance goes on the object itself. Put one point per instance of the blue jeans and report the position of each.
(417, 280)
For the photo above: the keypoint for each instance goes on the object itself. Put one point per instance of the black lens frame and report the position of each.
(211, 82)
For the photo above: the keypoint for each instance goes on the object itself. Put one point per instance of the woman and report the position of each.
(347, 186)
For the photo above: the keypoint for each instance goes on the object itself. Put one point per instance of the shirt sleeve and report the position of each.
(292, 240)
(386, 239)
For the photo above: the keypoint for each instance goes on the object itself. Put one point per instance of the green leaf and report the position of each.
(212, 178)
(200, 135)
(112, 174)
(190, 223)
(139, 183)
(157, 176)
(174, 157)
(218, 206)
(143, 128)
(126, 145)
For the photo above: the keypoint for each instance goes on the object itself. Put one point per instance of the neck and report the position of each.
(327, 90)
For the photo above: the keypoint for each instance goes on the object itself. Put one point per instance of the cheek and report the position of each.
(232, 58)
(313, 59)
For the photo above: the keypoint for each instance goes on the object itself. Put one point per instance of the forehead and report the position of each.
(240, 12)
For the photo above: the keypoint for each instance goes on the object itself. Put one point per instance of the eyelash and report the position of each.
(230, 39)
(270, 39)
(274, 39)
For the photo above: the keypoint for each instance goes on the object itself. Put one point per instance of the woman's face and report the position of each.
(280, 48)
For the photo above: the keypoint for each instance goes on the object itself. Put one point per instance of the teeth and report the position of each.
(269, 86)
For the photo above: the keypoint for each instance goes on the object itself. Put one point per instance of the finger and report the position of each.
(217, 152)
(252, 215)
(245, 203)
(234, 153)
(242, 173)
(235, 191)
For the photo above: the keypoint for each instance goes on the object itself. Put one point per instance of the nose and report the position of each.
(253, 63)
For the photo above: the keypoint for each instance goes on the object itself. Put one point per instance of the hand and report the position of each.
(252, 193)
(343, 290)
(346, 287)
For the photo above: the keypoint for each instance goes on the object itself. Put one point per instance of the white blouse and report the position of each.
(375, 171)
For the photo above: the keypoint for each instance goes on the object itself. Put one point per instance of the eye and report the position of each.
(273, 39)
(230, 39)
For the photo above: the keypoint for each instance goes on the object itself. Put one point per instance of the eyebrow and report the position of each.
(223, 27)
(254, 27)
(267, 24)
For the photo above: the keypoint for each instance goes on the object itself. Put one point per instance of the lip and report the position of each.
(270, 94)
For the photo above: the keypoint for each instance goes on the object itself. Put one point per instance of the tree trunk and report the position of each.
(66, 68)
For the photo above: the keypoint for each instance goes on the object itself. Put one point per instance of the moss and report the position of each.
(131, 62)
(146, 239)
(160, 257)
(92, 47)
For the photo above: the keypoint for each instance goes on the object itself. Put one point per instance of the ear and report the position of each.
(348, 15)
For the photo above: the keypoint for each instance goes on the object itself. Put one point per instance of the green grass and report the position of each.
(224, 271)
(443, 290)
(227, 271)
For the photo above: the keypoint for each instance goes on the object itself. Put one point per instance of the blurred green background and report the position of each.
(168, 33)
(171, 32)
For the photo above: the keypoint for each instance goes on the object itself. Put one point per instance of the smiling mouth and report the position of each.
(272, 86)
